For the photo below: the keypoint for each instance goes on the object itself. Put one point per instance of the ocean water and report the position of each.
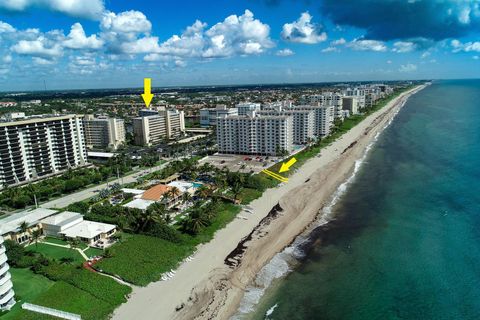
(405, 243)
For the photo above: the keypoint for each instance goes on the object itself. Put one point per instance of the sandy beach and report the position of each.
(212, 285)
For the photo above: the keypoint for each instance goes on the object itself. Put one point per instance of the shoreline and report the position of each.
(209, 287)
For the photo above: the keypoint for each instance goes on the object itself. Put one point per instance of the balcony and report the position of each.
(4, 299)
(2, 249)
(4, 268)
(6, 277)
(4, 288)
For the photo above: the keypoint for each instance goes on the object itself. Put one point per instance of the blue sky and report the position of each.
(98, 44)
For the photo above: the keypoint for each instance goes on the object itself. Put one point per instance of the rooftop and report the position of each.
(156, 193)
(88, 229)
(62, 218)
(139, 204)
(12, 222)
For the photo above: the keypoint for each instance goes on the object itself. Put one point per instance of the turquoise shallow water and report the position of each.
(406, 241)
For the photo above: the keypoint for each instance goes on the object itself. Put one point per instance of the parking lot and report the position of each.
(241, 163)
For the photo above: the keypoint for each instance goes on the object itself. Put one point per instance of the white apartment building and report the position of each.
(7, 295)
(351, 104)
(323, 119)
(327, 99)
(209, 116)
(255, 134)
(245, 107)
(303, 122)
(103, 132)
(32, 148)
(153, 129)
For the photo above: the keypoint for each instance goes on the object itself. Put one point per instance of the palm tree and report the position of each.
(36, 234)
(23, 228)
(204, 192)
(186, 197)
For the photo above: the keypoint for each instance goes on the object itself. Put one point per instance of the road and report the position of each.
(90, 192)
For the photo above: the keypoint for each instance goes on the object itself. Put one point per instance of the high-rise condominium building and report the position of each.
(153, 129)
(323, 118)
(37, 147)
(303, 123)
(255, 134)
(351, 104)
(209, 116)
(245, 107)
(7, 296)
(103, 132)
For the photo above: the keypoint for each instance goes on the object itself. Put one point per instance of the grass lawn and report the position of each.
(56, 241)
(56, 252)
(66, 297)
(28, 286)
(80, 291)
(141, 259)
(62, 242)
(92, 252)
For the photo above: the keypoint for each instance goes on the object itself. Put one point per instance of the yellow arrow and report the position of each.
(147, 91)
(286, 165)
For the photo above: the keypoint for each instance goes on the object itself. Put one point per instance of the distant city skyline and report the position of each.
(96, 44)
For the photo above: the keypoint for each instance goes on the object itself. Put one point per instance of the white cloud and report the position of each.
(466, 47)
(367, 45)
(41, 47)
(7, 59)
(42, 61)
(241, 35)
(126, 22)
(426, 54)
(338, 42)
(5, 27)
(284, 52)
(389, 61)
(303, 31)
(404, 46)
(331, 49)
(91, 9)
(236, 35)
(77, 39)
(407, 68)
(476, 57)
(142, 45)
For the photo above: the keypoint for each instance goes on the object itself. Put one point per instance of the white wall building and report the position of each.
(33, 148)
(323, 120)
(245, 107)
(209, 116)
(303, 122)
(255, 134)
(153, 129)
(7, 295)
(103, 132)
(351, 104)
